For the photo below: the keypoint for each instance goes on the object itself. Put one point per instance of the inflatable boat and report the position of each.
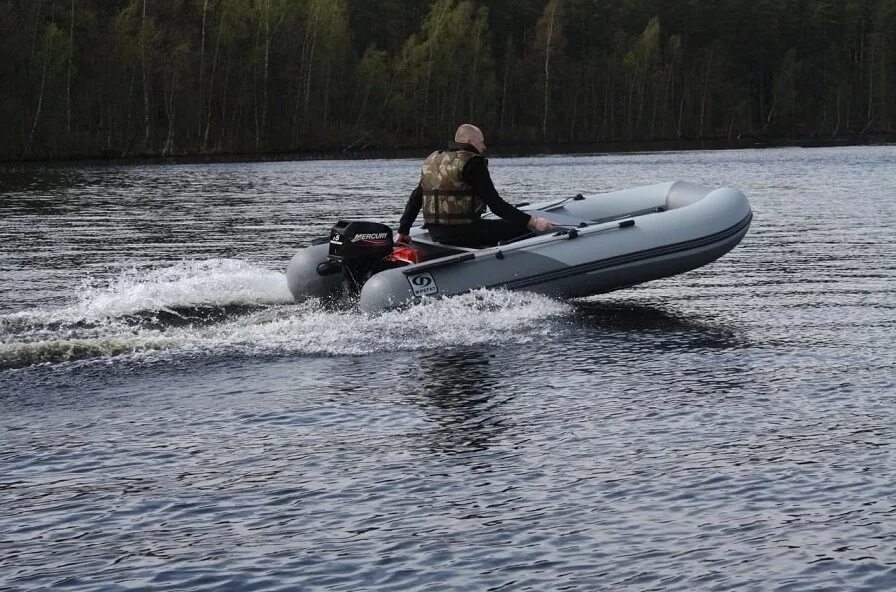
(601, 242)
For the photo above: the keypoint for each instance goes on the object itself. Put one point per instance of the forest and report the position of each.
(125, 78)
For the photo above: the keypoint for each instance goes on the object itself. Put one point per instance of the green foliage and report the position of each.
(446, 72)
(374, 73)
(114, 77)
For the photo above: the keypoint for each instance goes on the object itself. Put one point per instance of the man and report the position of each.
(454, 190)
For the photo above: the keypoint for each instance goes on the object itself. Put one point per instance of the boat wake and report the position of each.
(233, 307)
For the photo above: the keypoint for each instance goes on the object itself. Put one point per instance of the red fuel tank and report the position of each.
(405, 254)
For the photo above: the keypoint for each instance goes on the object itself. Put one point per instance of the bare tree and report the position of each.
(548, 28)
(201, 87)
(49, 42)
(148, 135)
(68, 87)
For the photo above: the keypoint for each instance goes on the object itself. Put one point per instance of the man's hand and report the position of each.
(537, 224)
(403, 238)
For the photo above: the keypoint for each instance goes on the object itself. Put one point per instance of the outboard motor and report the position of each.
(361, 249)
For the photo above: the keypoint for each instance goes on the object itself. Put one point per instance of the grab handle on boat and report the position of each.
(441, 262)
(571, 232)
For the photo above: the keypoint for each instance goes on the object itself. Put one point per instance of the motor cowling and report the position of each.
(354, 241)
(360, 247)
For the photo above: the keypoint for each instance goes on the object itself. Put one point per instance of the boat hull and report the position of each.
(628, 237)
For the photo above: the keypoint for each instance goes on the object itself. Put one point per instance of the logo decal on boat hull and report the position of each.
(423, 284)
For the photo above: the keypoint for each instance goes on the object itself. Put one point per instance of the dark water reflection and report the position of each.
(170, 420)
(661, 328)
(463, 397)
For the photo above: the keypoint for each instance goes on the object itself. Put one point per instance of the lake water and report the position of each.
(170, 420)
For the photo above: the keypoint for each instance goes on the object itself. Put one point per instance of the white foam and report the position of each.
(212, 282)
(482, 316)
(217, 282)
(479, 317)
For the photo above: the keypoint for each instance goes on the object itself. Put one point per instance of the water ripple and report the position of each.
(172, 421)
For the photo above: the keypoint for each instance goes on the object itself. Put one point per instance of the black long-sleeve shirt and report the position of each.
(475, 173)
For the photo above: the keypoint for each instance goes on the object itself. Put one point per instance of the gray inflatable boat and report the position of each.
(602, 242)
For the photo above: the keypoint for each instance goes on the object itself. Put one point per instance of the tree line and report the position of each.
(117, 78)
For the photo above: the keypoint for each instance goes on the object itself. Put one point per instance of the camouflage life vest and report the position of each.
(446, 198)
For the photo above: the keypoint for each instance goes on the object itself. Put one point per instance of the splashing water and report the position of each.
(214, 282)
(227, 306)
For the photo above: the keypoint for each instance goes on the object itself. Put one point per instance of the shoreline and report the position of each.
(503, 150)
